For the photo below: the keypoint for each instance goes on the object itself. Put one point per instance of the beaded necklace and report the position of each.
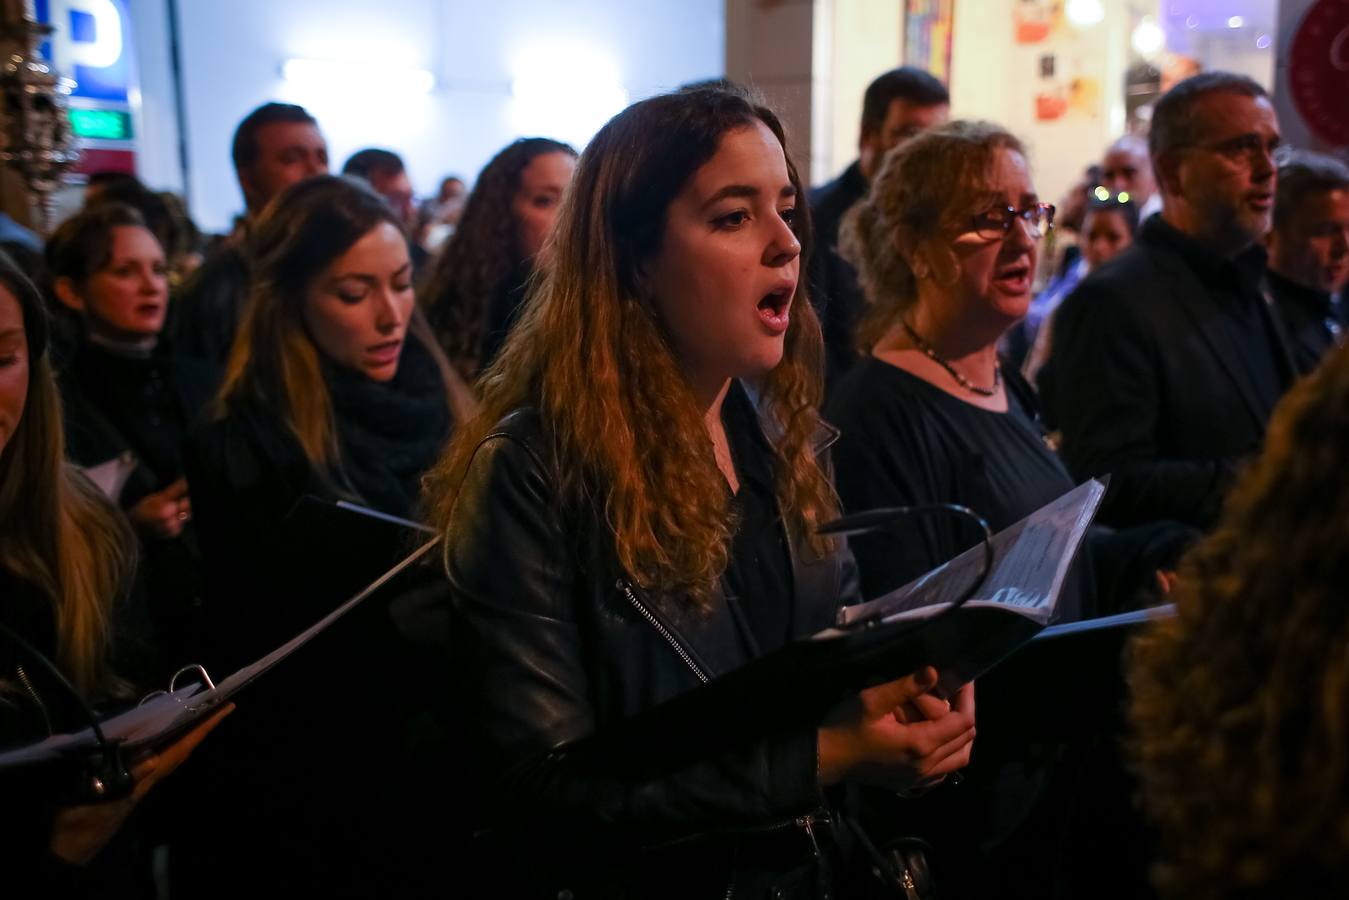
(960, 379)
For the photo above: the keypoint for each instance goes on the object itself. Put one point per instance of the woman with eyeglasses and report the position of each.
(946, 245)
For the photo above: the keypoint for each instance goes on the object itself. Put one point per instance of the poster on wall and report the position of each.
(1035, 20)
(1067, 74)
(927, 36)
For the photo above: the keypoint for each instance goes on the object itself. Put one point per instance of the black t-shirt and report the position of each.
(759, 571)
(907, 442)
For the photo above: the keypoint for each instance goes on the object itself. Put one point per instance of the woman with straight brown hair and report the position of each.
(633, 513)
(334, 390)
(67, 562)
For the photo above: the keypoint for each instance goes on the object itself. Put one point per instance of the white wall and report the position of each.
(994, 78)
(157, 120)
(232, 55)
(867, 40)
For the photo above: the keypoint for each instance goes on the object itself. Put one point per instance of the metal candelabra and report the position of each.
(36, 134)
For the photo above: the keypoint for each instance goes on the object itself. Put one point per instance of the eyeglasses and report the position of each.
(994, 224)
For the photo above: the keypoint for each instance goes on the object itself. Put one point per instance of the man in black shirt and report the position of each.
(275, 146)
(1167, 359)
(896, 106)
(1309, 255)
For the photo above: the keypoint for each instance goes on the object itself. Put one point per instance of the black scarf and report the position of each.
(390, 433)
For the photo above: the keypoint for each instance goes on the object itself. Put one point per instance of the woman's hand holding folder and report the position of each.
(898, 735)
(78, 833)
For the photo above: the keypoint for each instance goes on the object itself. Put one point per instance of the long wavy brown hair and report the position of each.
(483, 257)
(274, 365)
(1240, 703)
(589, 352)
(926, 187)
(57, 532)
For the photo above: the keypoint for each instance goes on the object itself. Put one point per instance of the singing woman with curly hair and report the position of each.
(633, 513)
(1241, 702)
(474, 291)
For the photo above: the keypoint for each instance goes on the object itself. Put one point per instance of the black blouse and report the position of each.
(759, 571)
(907, 442)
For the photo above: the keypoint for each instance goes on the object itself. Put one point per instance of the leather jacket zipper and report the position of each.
(664, 632)
(28, 686)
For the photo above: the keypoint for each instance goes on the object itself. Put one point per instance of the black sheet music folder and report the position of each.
(792, 688)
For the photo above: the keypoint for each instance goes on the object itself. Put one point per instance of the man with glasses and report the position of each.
(1167, 360)
(897, 105)
(1309, 255)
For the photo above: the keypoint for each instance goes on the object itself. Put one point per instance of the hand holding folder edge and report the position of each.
(872, 643)
(162, 717)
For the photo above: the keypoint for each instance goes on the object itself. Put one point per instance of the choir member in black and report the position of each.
(627, 518)
(475, 289)
(67, 562)
(129, 398)
(1167, 359)
(946, 245)
(275, 146)
(1309, 255)
(334, 389)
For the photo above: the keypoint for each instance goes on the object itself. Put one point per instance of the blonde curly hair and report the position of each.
(926, 187)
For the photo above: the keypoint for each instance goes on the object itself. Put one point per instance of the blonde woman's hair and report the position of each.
(926, 187)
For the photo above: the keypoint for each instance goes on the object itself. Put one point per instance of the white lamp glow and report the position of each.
(330, 75)
(1085, 13)
(1148, 37)
(1235, 22)
(565, 92)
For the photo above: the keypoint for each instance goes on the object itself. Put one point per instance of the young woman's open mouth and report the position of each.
(774, 309)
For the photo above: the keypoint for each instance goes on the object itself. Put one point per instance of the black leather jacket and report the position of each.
(553, 643)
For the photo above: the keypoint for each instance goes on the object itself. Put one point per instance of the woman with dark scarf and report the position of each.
(334, 389)
(473, 294)
(129, 399)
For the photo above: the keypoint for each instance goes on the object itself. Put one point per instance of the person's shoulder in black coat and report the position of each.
(832, 281)
(207, 309)
(1130, 386)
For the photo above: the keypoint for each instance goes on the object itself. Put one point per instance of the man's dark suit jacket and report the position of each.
(1167, 364)
(834, 291)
